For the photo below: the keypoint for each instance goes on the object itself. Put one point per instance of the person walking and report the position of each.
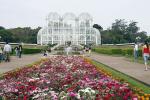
(1, 54)
(135, 52)
(7, 50)
(68, 50)
(146, 54)
(20, 50)
(17, 51)
(89, 50)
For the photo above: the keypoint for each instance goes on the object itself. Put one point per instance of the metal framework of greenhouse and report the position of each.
(68, 28)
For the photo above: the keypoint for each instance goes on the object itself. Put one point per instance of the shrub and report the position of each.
(103, 50)
(128, 52)
(60, 53)
(31, 51)
(140, 53)
(116, 51)
(76, 53)
(59, 48)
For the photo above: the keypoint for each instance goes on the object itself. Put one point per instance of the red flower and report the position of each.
(25, 97)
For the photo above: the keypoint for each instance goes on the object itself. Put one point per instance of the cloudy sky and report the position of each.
(32, 13)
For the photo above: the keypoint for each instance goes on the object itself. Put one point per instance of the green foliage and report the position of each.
(121, 32)
(102, 50)
(97, 27)
(1, 98)
(116, 51)
(132, 28)
(61, 48)
(6, 35)
(31, 51)
(51, 45)
(26, 34)
(123, 50)
(60, 53)
(76, 53)
(2, 28)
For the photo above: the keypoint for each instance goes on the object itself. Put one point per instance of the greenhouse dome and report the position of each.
(68, 28)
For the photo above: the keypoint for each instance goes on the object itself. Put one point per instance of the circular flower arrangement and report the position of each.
(62, 78)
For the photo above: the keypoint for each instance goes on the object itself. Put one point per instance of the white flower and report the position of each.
(78, 96)
(31, 80)
(35, 97)
(63, 97)
(93, 92)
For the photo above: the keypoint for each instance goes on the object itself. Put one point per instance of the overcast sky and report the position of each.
(32, 13)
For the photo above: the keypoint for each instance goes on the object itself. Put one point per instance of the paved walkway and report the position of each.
(132, 69)
(19, 62)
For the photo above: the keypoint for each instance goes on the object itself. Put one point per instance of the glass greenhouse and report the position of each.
(68, 28)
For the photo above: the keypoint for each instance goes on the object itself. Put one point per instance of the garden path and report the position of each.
(19, 62)
(135, 70)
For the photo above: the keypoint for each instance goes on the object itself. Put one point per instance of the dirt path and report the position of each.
(132, 69)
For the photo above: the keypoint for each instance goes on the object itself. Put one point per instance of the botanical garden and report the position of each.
(68, 70)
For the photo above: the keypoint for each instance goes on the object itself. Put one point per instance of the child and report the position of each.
(45, 53)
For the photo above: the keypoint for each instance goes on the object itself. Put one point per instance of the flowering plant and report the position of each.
(62, 78)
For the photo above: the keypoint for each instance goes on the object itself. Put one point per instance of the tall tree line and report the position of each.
(26, 34)
(121, 32)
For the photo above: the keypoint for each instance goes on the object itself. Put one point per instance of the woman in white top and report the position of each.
(7, 51)
(135, 51)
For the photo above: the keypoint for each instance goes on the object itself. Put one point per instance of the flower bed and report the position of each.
(63, 78)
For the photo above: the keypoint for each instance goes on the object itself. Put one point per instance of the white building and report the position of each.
(69, 28)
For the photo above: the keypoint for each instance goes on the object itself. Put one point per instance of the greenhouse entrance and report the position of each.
(68, 43)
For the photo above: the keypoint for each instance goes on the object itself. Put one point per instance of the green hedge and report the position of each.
(116, 51)
(31, 51)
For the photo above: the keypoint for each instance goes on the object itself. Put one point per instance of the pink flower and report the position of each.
(72, 94)
(52, 74)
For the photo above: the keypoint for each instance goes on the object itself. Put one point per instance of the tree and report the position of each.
(121, 32)
(119, 26)
(129, 37)
(142, 35)
(2, 28)
(97, 27)
(25, 34)
(6, 36)
(132, 28)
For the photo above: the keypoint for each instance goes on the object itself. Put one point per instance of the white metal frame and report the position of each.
(69, 28)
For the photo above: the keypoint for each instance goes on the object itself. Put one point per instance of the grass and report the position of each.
(137, 85)
(115, 46)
